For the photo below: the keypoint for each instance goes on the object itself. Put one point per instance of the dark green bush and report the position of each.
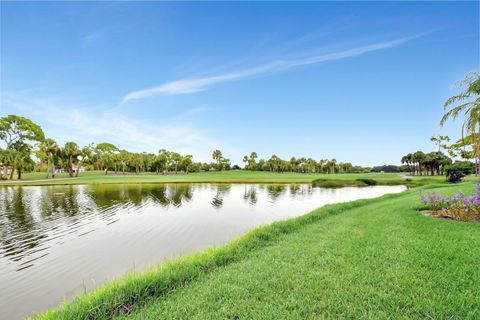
(368, 182)
(456, 177)
(463, 167)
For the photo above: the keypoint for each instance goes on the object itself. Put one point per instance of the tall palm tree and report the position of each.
(438, 141)
(217, 156)
(85, 153)
(467, 103)
(418, 158)
(71, 152)
(407, 159)
(333, 165)
(49, 147)
(245, 160)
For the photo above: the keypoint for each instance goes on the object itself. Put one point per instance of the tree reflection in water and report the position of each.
(31, 216)
(222, 191)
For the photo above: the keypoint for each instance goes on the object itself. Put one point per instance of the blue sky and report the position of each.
(357, 81)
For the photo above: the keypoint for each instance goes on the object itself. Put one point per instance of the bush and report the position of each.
(368, 182)
(455, 177)
(464, 167)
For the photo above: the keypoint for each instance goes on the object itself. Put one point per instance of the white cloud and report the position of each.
(191, 85)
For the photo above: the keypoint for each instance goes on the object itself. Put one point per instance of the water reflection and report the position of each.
(250, 194)
(222, 190)
(32, 215)
(52, 238)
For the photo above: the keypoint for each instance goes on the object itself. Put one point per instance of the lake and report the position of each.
(57, 241)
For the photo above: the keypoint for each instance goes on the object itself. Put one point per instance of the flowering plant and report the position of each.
(458, 206)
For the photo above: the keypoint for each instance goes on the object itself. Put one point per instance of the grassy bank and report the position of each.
(365, 259)
(233, 176)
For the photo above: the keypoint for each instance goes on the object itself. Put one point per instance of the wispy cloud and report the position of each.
(191, 85)
(90, 39)
(84, 124)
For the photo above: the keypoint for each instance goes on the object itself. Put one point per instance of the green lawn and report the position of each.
(369, 259)
(233, 176)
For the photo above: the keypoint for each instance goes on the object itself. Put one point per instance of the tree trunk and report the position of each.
(53, 169)
(70, 167)
(48, 167)
(78, 168)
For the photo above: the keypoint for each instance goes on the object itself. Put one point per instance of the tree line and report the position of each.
(301, 165)
(23, 139)
(420, 163)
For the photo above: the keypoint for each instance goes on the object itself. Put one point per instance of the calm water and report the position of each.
(56, 240)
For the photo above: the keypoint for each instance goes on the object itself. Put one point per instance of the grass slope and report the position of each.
(232, 176)
(369, 259)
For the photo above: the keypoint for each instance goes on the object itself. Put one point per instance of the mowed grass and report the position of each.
(231, 176)
(368, 259)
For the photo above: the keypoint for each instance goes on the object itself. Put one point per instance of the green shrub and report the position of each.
(463, 167)
(368, 182)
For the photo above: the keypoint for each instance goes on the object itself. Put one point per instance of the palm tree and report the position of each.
(71, 152)
(217, 156)
(85, 153)
(407, 159)
(176, 158)
(419, 158)
(49, 147)
(252, 161)
(163, 160)
(123, 156)
(438, 141)
(467, 103)
(187, 162)
(333, 165)
(20, 158)
(245, 160)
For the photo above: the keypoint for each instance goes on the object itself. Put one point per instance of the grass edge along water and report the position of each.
(135, 289)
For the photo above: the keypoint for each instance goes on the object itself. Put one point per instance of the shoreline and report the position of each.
(143, 294)
(132, 290)
(238, 177)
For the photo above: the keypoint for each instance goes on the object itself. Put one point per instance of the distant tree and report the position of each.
(186, 162)
(438, 139)
(332, 165)
(84, 154)
(409, 161)
(176, 159)
(48, 148)
(123, 157)
(163, 160)
(71, 153)
(14, 129)
(103, 154)
(217, 156)
(225, 164)
(136, 161)
(245, 160)
(250, 161)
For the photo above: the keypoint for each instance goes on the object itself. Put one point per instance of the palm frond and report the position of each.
(454, 112)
